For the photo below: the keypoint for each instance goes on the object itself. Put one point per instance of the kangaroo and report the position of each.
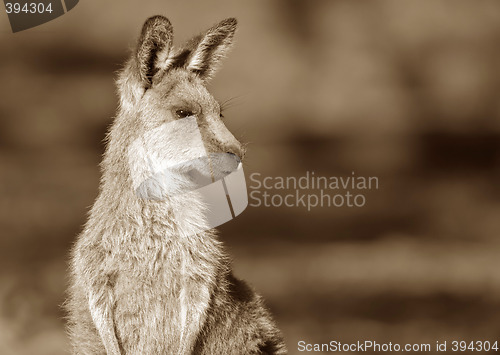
(141, 281)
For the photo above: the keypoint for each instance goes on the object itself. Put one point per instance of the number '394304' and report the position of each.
(28, 8)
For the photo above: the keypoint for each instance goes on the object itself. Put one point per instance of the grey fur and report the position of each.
(141, 283)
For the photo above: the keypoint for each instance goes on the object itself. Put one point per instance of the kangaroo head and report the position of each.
(161, 84)
(165, 105)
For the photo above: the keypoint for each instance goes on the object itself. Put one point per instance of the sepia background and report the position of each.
(406, 91)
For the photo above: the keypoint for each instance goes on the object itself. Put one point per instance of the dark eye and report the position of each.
(221, 115)
(183, 113)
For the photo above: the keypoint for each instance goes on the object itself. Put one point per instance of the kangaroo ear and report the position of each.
(210, 48)
(154, 47)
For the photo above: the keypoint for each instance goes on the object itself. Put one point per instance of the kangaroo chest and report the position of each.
(161, 300)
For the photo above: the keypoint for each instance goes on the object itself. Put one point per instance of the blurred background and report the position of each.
(404, 91)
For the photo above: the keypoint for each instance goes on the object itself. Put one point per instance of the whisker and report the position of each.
(232, 101)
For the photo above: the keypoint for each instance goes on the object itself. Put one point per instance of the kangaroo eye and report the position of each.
(221, 115)
(183, 113)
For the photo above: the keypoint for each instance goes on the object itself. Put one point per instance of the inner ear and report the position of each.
(154, 47)
(204, 53)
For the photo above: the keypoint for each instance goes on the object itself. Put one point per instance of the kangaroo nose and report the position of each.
(236, 157)
(237, 151)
